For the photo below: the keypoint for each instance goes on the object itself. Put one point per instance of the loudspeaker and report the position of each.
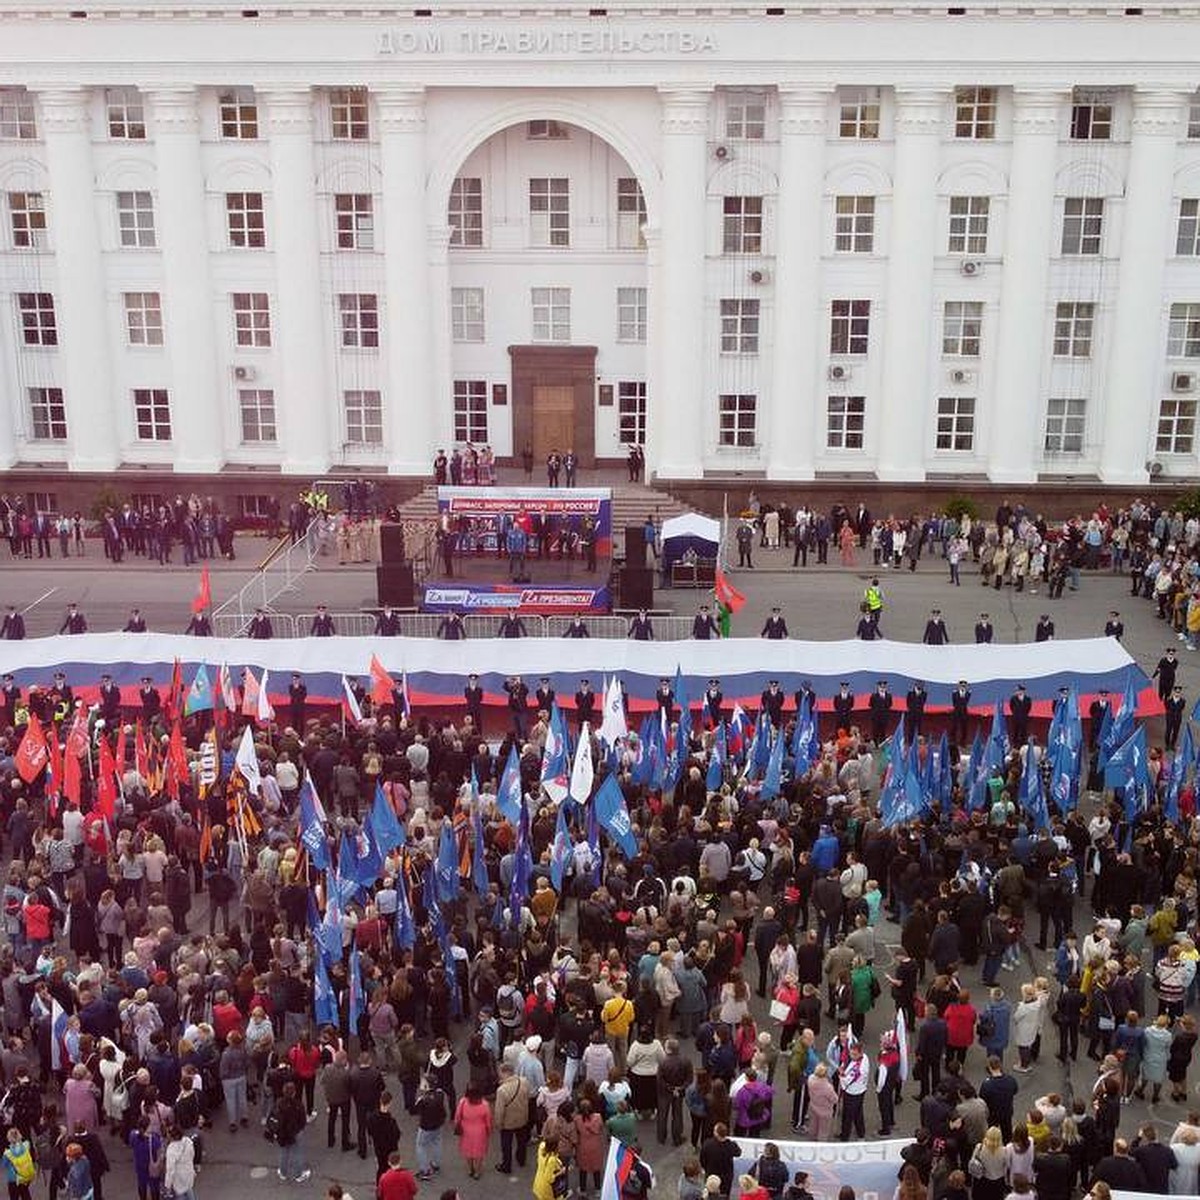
(394, 585)
(391, 542)
(637, 587)
(635, 546)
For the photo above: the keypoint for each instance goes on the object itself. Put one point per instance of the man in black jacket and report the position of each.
(718, 1154)
(367, 1092)
(766, 933)
(880, 705)
(1055, 1172)
(1120, 1171)
(931, 1046)
(384, 1132)
(674, 1076)
(914, 707)
(998, 1091)
(1156, 1160)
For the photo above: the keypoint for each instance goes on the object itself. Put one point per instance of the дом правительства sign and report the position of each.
(546, 42)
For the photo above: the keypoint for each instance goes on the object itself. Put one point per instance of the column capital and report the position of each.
(289, 109)
(175, 110)
(921, 110)
(685, 109)
(804, 108)
(65, 109)
(400, 109)
(1157, 113)
(1037, 111)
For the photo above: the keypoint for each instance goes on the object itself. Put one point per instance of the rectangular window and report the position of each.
(631, 314)
(1176, 432)
(844, 422)
(1073, 324)
(466, 314)
(135, 220)
(1091, 117)
(364, 418)
(1193, 122)
(151, 500)
(258, 414)
(1183, 331)
(551, 314)
(143, 318)
(631, 412)
(854, 224)
(38, 325)
(355, 214)
(126, 114)
(238, 110)
(739, 326)
(549, 212)
(858, 114)
(47, 502)
(547, 131)
(18, 120)
(348, 115)
(743, 223)
(1065, 420)
(745, 116)
(956, 423)
(252, 319)
(246, 220)
(631, 215)
(466, 212)
(1083, 225)
(969, 224)
(975, 112)
(360, 320)
(962, 326)
(849, 326)
(27, 217)
(470, 410)
(254, 505)
(152, 412)
(737, 420)
(1187, 234)
(47, 414)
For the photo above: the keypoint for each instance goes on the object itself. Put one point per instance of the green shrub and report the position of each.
(106, 498)
(961, 506)
(1188, 503)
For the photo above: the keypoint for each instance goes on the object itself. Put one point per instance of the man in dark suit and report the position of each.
(387, 623)
(74, 621)
(862, 525)
(150, 699)
(110, 700)
(775, 629)
(1175, 706)
(704, 627)
(322, 623)
(1019, 706)
(914, 707)
(1100, 708)
(451, 629)
(473, 694)
(771, 702)
(260, 627)
(640, 628)
(713, 698)
(1045, 629)
(136, 622)
(984, 632)
(12, 628)
(297, 699)
(10, 697)
(960, 701)
(585, 703)
(843, 707)
(936, 633)
(544, 695)
(880, 706)
(1114, 626)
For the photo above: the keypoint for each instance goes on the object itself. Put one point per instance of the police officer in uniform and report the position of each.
(914, 707)
(260, 627)
(880, 706)
(74, 621)
(984, 633)
(1097, 712)
(665, 699)
(960, 700)
(577, 628)
(473, 694)
(1164, 672)
(1114, 626)
(297, 699)
(10, 697)
(805, 692)
(322, 623)
(1045, 629)
(704, 628)
(1175, 705)
(585, 703)
(518, 700)
(150, 698)
(843, 707)
(771, 702)
(110, 700)
(12, 628)
(136, 622)
(451, 629)
(199, 625)
(1019, 706)
(713, 698)
(511, 626)
(936, 633)
(544, 695)
(387, 623)
(640, 628)
(61, 697)
(775, 628)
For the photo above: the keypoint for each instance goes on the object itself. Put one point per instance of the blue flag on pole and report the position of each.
(998, 747)
(325, 1007)
(613, 815)
(1117, 730)
(593, 839)
(716, 762)
(560, 849)
(977, 775)
(357, 1001)
(406, 932)
(1032, 794)
(907, 803)
(312, 827)
(522, 867)
(1127, 767)
(509, 795)
(446, 872)
(479, 875)
(1064, 775)
(773, 776)
(556, 762)
(386, 830)
(200, 694)
(1177, 776)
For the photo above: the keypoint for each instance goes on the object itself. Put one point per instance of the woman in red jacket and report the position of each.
(960, 1028)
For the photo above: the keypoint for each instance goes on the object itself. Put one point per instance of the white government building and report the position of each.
(901, 240)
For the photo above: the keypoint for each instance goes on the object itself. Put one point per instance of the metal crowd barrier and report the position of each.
(234, 624)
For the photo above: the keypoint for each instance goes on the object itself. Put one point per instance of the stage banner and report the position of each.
(553, 599)
(479, 514)
(871, 1168)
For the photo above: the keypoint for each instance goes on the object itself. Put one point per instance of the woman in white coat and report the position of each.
(179, 1169)
(1026, 1024)
(1183, 1180)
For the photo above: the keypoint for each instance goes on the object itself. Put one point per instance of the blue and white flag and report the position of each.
(613, 727)
(312, 827)
(978, 773)
(59, 1059)
(905, 803)
(386, 830)
(1032, 794)
(522, 867)
(1181, 763)
(406, 932)
(357, 1001)
(613, 815)
(583, 772)
(200, 694)
(716, 762)
(446, 867)
(1064, 775)
(560, 849)
(479, 875)
(806, 745)
(1127, 767)
(509, 795)
(773, 775)
(555, 762)
(325, 1006)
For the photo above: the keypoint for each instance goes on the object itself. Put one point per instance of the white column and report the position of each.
(796, 395)
(81, 301)
(408, 402)
(679, 411)
(1135, 376)
(197, 391)
(441, 364)
(304, 398)
(10, 410)
(1015, 427)
(905, 399)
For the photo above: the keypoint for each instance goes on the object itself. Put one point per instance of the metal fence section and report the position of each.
(233, 624)
(280, 572)
(666, 628)
(347, 624)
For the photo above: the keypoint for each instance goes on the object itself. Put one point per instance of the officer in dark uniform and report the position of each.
(473, 694)
(110, 700)
(387, 623)
(511, 626)
(880, 706)
(640, 628)
(843, 707)
(771, 702)
(544, 695)
(1097, 712)
(577, 628)
(805, 692)
(868, 628)
(585, 703)
(260, 627)
(74, 621)
(665, 699)
(776, 627)
(363, 698)
(199, 625)
(518, 701)
(914, 707)
(984, 633)
(1019, 705)
(1114, 626)
(704, 628)
(713, 698)
(1164, 672)
(451, 629)
(61, 696)
(960, 700)
(322, 623)
(136, 622)
(150, 698)
(297, 699)
(1045, 629)
(1175, 705)
(12, 628)
(10, 697)
(936, 633)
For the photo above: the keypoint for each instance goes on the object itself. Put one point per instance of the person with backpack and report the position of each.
(510, 1009)
(287, 1123)
(19, 1166)
(431, 1114)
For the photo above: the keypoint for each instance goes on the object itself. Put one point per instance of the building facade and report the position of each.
(911, 244)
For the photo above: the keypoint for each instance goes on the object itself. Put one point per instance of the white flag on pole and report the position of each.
(247, 762)
(265, 712)
(613, 727)
(582, 770)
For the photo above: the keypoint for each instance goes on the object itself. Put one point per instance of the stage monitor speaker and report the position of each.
(391, 542)
(637, 587)
(395, 585)
(635, 546)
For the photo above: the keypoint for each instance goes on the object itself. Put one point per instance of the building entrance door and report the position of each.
(553, 420)
(553, 397)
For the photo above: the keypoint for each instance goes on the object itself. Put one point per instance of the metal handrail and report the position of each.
(279, 573)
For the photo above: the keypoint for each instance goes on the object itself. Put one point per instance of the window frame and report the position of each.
(246, 221)
(258, 405)
(632, 411)
(1183, 330)
(849, 328)
(854, 114)
(1065, 430)
(368, 418)
(955, 423)
(237, 114)
(854, 224)
(733, 427)
(349, 114)
(1091, 121)
(466, 316)
(1079, 214)
(1187, 228)
(470, 398)
(137, 219)
(27, 222)
(354, 221)
(962, 328)
(631, 214)
(742, 224)
(18, 115)
(1175, 430)
(460, 211)
(969, 226)
(151, 414)
(550, 212)
(38, 319)
(125, 114)
(251, 320)
(740, 125)
(975, 110)
(552, 302)
(741, 325)
(1074, 328)
(358, 320)
(142, 319)
(632, 314)
(840, 433)
(54, 424)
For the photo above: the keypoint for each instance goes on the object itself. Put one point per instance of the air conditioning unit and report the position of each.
(758, 275)
(721, 153)
(971, 266)
(958, 375)
(839, 372)
(1183, 381)
(1154, 468)
(243, 374)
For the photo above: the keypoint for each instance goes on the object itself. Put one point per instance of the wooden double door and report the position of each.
(553, 396)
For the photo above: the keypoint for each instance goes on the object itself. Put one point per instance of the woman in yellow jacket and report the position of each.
(549, 1168)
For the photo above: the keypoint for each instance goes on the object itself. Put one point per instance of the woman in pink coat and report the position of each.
(79, 1100)
(589, 1148)
(822, 1100)
(473, 1124)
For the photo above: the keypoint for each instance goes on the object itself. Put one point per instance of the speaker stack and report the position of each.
(394, 582)
(635, 546)
(637, 587)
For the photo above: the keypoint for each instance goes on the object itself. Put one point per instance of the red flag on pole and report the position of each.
(177, 764)
(106, 785)
(77, 747)
(203, 596)
(32, 754)
(55, 781)
(141, 759)
(174, 705)
(119, 757)
(381, 683)
(726, 593)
